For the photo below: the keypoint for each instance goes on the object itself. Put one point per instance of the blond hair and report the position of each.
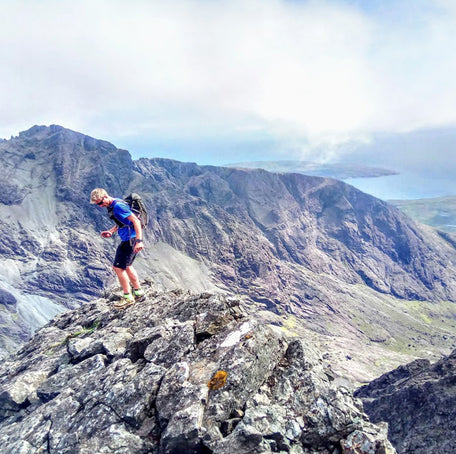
(98, 194)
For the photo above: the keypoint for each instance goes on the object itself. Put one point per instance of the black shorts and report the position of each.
(124, 255)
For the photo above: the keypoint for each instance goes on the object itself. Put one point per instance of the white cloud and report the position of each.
(295, 69)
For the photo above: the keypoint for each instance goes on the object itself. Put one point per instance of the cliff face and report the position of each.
(176, 373)
(418, 401)
(317, 250)
(256, 226)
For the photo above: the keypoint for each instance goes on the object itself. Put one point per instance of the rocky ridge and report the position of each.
(314, 251)
(418, 400)
(96, 379)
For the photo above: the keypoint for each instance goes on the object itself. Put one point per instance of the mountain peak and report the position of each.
(39, 131)
(54, 136)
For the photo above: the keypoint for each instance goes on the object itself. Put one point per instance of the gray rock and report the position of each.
(7, 299)
(140, 380)
(418, 401)
(12, 194)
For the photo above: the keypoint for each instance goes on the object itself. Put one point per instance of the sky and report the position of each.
(215, 81)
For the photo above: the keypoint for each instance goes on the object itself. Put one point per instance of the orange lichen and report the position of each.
(218, 380)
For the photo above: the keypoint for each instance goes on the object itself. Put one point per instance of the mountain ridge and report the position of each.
(314, 251)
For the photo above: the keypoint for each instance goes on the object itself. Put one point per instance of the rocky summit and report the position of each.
(177, 372)
(419, 402)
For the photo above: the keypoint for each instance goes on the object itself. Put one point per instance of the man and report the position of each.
(128, 226)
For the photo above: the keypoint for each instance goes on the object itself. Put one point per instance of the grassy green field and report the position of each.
(438, 212)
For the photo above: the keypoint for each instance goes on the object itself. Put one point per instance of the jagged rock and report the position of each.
(12, 194)
(367, 443)
(418, 401)
(7, 299)
(98, 379)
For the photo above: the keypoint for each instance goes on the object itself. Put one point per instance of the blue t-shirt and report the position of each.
(121, 211)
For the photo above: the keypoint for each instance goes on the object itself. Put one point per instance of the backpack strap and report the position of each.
(120, 224)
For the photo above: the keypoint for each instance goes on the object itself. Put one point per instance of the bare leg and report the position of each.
(123, 279)
(131, 272)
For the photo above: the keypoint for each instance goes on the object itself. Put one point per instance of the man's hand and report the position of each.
(106, 234)
(138, 246)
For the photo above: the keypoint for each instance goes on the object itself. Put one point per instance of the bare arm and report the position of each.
(109, 233)
(138, 230)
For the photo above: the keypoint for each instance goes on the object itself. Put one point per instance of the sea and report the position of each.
(406, 186)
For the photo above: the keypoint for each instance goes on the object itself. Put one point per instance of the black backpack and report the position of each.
(138, 208)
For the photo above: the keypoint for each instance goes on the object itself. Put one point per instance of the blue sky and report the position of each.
(222, 81)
